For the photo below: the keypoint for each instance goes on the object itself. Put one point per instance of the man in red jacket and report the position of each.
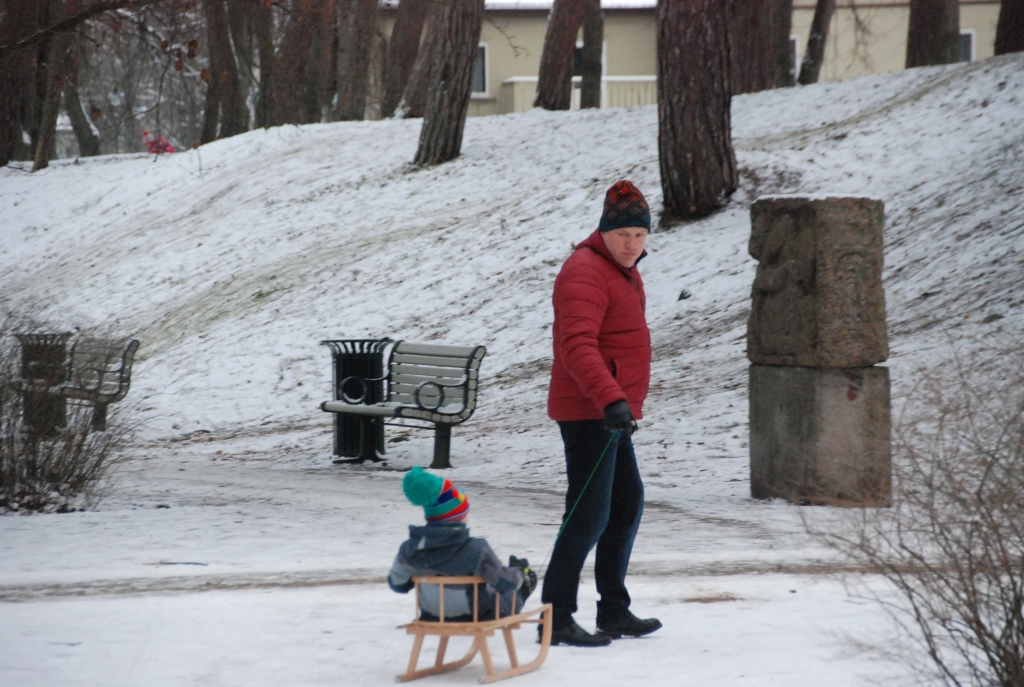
(599, 381)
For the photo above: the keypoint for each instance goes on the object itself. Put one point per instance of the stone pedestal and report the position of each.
(819, 411)
(820, 436)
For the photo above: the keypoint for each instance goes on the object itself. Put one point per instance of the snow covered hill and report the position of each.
(230, 263)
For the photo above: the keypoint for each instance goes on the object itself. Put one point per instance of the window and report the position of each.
(967, 45)
(794, 56)
(480, 71)
(577, 60)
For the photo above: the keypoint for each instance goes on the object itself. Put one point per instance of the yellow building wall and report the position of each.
(630, 43)
(868, 38)
(872, 37)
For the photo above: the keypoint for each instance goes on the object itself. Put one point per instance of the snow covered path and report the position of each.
(188, 522)
(256, 572)
(719, 632)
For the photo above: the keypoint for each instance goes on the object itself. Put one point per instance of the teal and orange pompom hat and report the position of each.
(441, 501)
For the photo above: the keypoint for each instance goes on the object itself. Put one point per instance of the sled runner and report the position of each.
(478, 629)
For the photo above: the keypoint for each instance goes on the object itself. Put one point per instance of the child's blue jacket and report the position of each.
(447, 549)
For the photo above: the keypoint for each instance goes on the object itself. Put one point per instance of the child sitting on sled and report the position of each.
(443, 547)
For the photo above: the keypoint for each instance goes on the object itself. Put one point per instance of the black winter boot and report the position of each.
(574, 635)
(625, 624)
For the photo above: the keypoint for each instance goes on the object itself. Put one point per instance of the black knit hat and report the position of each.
(624, 206)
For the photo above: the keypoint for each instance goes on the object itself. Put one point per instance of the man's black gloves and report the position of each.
(619, 418)
(529, 577)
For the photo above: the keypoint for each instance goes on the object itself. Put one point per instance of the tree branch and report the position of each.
(71, 23)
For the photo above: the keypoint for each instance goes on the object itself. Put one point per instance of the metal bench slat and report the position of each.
(410, 389)
(411, 383)
(447, 351)
(428, 370)
(443, 361)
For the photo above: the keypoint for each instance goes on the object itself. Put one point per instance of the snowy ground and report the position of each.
(230, 550)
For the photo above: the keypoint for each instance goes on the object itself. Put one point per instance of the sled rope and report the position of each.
(579, 498)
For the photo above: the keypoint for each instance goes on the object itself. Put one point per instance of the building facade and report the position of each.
(865, 37)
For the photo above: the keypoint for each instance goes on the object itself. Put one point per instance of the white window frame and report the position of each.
(974, 42)
(486, 93)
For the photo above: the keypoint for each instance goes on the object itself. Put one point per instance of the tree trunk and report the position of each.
(782, 27)
(88, 141)
(698, 165)
(554, 83)
(263, 24)
(814, 55)
(402, 51)
(322, 66)
(57, 60)
(241, 16)
(751, 45)
(451, 81)
(593, 43)
(290, 77)
(234, 115)
(16, 72)
(934, 35)
(211, 108)
(1010, 30)
(759, 47)
(359, 24)
(413, 102)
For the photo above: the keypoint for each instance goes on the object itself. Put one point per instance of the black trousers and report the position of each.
(608, 516)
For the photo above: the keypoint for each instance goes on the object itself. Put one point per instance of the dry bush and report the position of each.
(59, 473)
(952, 545)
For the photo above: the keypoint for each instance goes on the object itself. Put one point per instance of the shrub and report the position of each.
(952, 545)
(60, 472)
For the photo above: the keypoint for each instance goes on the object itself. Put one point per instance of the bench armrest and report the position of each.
(442, 387)
(362, 397)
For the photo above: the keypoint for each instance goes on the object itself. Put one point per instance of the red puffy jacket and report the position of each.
(601, 341)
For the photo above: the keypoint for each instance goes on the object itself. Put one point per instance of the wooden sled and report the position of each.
(478, 629)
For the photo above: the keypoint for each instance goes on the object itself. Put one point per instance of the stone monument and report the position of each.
(819, 407)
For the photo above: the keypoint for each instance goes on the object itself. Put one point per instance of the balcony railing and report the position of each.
(616, 91)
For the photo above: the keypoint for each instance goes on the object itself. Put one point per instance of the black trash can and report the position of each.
(355, 437)
(43, 363)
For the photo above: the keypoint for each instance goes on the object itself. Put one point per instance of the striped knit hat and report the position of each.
(624, 206)
(441, 501)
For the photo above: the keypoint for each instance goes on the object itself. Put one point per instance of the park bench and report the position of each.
(477, 628)
(424, 382)
(98, 371)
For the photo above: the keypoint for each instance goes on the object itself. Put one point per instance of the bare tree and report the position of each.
(784, 74)
(759, 33)
(88, 141)
(934, 33)
(1010, 29)
(263, 32)
(698, 165)
(74, 16)
(458, 35)
(593, 44)
(952, 545)
(20, 21)
(413, 102)
(814, 55)
(554, 83)
(225, 101)
(751, 45)
(53, 75)
(403, 48)
(356, 37)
